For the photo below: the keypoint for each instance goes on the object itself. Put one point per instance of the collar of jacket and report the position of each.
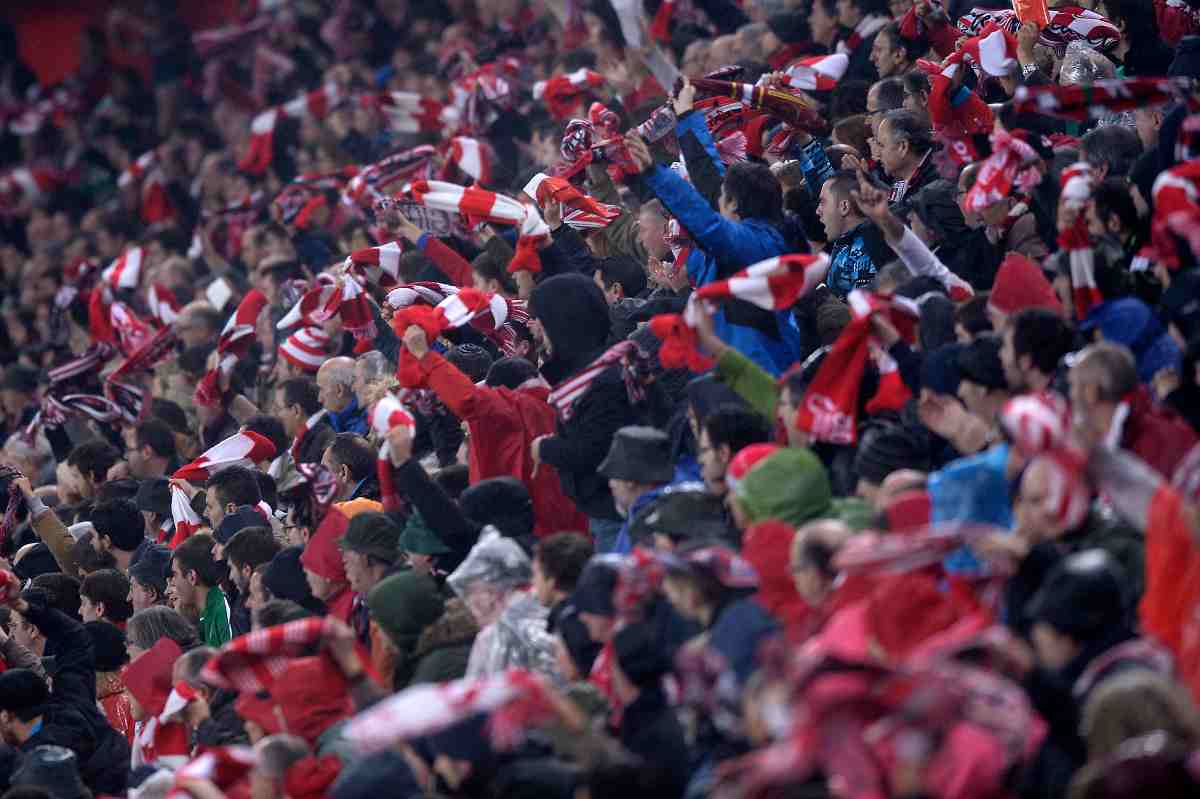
(341, 418)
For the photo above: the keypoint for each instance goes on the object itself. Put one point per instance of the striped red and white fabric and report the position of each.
(10, 586)
(409, 112)
(774, 284)
(162, 303)
(305, 348)
(561, 92)
(368, 186)
(580, 211)
(482, 205)
(136, 171)
(25, 184)
(253, 662)
(240, 449)
(1036, 423)
(515, 699)
(993, 51)
(161, 745)
(125, 271)
(1176, 212)
(186, 520)
(1006, 169)
(385, 258)
(1076, 241)
(1068, 497)
(456, 310)
(388, 413)
(132, 333)
(819, 73)
(223, 766)
(341, 296)
(470, 156)
(1081, 103)
(234, 342)
(316, 104)
(565, 393)
(1073, 23)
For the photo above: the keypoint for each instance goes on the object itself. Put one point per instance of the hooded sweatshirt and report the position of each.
(574, 316)
(790, 485)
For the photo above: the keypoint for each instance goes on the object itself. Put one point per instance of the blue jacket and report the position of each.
(351, 419)
(738, 631)
(723, 248)
(855, 259)
(624, 543)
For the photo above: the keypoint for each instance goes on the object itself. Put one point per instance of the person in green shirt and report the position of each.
(195, 585)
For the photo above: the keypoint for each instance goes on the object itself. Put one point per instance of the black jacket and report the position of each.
(575, 318)
(650, 730)
(71, 717)
(316, 441)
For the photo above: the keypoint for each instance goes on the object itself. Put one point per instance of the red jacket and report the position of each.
(1170, 606)
(1156, 434)
(503, 423)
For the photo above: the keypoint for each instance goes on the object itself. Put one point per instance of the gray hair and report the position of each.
(145, 627)
(374, 365)
(1110, 367)
(1114, 146)
(189, 666)
(340, 370)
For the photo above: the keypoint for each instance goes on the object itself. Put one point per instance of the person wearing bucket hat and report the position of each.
(638, 465)
(713, 586)
(54, 768)
(369, 550)
(153, 498)
(148, 579)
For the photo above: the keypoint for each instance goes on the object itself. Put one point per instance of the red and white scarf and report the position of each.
(867, 27)
(241, 449)
(1037, 423)
(234, 342)
(385, 415)
(24, 184)
(514, 699)
(561, 92)
(382, 263)
(342, 296)
(315, 104)
(162, 303)
(471, 157)
(456, 310)
(829, 411)
(253, 662)
(774, 284)
(819, 73)
(579, 211)
(305, 348)
(368, 186)
(1176, 212)
(1076, 241)
(125, 271)
(409, 112)
(223, 766)
(622, 354)
(1081, 103)
(1009, 167)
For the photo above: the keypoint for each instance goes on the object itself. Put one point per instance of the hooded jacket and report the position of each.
(574, 316)
(444, 647)
(322, 556)
(503, 423)
(768, 547)
(790, 485)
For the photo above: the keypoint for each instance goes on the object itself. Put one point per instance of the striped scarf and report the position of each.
(626, 354)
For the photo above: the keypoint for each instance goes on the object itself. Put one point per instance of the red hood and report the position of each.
(768, 547)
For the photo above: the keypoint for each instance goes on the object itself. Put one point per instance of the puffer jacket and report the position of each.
(445, 646)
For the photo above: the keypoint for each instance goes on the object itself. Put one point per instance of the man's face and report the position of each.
(1147, 122)
(713, 463)
(88, 610)
(539, 336)
(183, 588)
(727, 207)
(829, 210)
(1034, 517)
(651, 228)
(213, 508)
(238, 575)
(972, 395)
(321, 588)
(140, 597)
(13, 401)
(23, 632)
(624, 493)
(893, 150)
(333, 396)
(361, 385)
(359, 572)
(1013, 374)
(287, 415)
(848, 13)
(883, 56)
(341, 474)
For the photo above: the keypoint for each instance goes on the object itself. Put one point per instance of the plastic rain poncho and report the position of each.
(492, 582)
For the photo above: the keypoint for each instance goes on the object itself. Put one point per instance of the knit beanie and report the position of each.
(284, 578)
(939, 370)
(832, 318)
(791, 484)
(405, 604)
(1020, 284)
(472, 360)
(887, 449)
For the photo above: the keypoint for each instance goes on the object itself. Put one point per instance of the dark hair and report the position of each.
(206, 315)
(281, 271)
(849, 98)
(562, 557)
(271, 428)
(872, 6)
(121, 522)
(1112, 197)
(267, 489)
(1113, 145)
(453, 479)
(193, 361)
(489, 267)
(280, 611)
(352, 451)
(913, 48)
(171, 413)
(736, 427)
(754, 191)
(916, 82)
(855, 131)
(158, 436)
(510, 372)
(236, 484)
(413, 264)
(62, 590)
(28, 791)
(196, 554)
(112, 588)
(1042, 335)
(623, 271)
(301, 391)
(890, 93)
(842, 183)
(911, 127)
(470, 359)
(93, 459)
(251, 546)
(89, 559)
(973, 316)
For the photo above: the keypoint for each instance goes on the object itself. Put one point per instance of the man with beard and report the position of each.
(1033, 346)
(245, 551)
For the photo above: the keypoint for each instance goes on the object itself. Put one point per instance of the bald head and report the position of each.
(335, 383)
(1109, 368)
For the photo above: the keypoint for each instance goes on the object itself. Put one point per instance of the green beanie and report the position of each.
(790, 485)
(404, 604)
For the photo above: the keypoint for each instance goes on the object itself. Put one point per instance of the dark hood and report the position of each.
(574, 316)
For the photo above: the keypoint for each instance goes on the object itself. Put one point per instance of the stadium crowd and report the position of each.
(604, 398)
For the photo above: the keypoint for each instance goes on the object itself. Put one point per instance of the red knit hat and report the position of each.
(746, 459)
(906, 610)
(321, 555)
(305, 349)
(1020, 284)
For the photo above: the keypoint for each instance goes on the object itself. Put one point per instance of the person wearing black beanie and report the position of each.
(283, 578)
(649, 727)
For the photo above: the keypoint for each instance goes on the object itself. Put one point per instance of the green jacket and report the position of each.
(751, 382)
(214, 621)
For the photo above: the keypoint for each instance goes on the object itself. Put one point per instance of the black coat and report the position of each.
(650, 730)
(316, 441)
(71, 717)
